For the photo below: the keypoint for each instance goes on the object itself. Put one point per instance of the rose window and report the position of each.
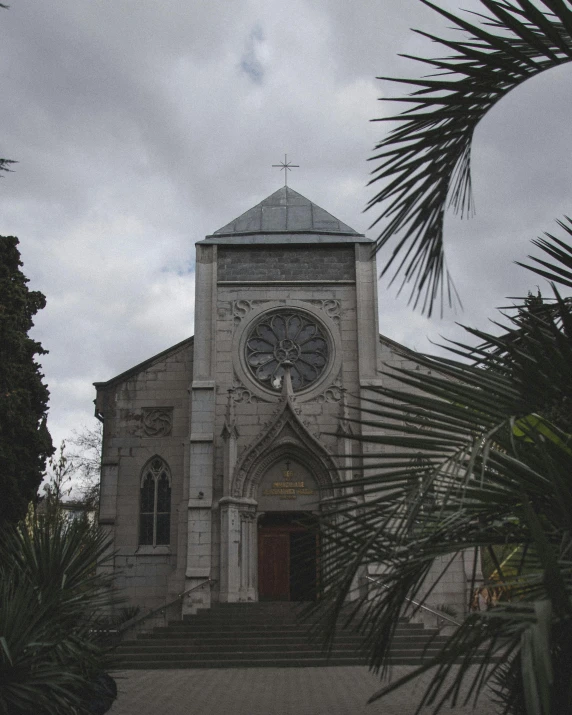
(287, 339)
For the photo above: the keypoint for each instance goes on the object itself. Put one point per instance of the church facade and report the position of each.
(221, 453)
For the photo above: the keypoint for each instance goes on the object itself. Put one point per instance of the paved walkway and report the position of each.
(268, 691)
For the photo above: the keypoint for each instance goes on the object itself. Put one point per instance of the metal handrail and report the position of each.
(416, 603)
(139, 619)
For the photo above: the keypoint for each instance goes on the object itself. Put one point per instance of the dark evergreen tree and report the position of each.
(25, 442)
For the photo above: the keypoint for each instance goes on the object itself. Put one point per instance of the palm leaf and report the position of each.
(52, 595)
(457, 466)
(559, 269)
(425, 162)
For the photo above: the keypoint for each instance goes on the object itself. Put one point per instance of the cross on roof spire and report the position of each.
(285, 165)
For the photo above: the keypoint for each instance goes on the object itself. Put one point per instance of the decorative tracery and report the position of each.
(155, 504)
(287, 337)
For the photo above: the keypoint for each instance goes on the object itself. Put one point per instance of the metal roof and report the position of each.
(286, 213)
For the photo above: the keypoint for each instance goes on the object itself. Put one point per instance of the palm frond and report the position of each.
(52, 595)
(458, 460)
(559, 269)
(425, 163)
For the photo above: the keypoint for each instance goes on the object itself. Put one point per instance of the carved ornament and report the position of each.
(157, 421)
(285, 434)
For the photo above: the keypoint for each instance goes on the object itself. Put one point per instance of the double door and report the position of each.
(287, 563)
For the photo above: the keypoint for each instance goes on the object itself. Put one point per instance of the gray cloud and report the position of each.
(251, 62)
(138, 133)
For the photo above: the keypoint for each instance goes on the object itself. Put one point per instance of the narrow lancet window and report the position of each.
(155, 510)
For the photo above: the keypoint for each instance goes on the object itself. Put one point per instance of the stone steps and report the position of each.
(261, 635)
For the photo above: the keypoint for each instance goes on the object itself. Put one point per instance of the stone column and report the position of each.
(201, 440)
(236, 547)
(367, 317)
(345, 441)
(249, 560)
(230, 441)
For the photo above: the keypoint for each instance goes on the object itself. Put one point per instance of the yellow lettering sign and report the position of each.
(288, 490)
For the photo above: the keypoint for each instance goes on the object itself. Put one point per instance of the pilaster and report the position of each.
(201, 438)
(367, 315)
(238, 550)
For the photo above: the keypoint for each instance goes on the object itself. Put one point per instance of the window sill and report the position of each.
(153, 550)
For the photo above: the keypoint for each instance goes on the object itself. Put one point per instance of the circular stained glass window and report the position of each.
(287, 338)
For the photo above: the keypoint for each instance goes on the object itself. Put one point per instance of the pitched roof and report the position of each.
(136, 369)
(285, 212)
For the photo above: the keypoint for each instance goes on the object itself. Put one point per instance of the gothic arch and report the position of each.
(155, 503)
(286, 435)
(156, 465)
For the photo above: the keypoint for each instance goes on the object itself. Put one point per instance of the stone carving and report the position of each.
(157, 421)
(420, 419)
(248, 516)
(332, 393)
(286, 431)
(331, 307)
(240, 308)
(241, 394)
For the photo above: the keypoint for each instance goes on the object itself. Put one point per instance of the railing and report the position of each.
(438, 614)
(159, 613)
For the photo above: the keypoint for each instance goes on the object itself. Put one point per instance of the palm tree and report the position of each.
(425, 163)
(474, 452)
(52, 596)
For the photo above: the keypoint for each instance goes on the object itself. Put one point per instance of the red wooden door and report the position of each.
(273, 564)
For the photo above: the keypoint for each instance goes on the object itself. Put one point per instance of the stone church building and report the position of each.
(221, 452)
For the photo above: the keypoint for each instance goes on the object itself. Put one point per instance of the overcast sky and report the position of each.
(140, 127)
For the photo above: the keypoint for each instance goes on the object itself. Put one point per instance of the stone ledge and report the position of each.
(204, 572)
(162, 550)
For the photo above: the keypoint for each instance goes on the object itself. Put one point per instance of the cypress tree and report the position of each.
(25, 442)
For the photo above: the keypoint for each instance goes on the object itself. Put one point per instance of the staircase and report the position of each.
(256, 635)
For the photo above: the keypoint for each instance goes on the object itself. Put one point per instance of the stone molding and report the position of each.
(286, 434)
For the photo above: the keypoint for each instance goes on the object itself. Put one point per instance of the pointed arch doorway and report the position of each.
(288, 556)
(288, 532)
(286, 476)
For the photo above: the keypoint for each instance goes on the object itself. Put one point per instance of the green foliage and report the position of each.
(52, 597)
(473, 453)
(25, 442)
(489, 435)
(425, 162)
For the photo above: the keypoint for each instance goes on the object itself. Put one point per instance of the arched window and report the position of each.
(155, 504)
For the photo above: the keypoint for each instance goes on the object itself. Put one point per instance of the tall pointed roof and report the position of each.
(286, 217)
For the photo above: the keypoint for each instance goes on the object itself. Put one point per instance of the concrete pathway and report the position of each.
(268, 691)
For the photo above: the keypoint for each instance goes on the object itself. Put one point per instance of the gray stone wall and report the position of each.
(452, 589)
(292, 263)
(146, 414)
